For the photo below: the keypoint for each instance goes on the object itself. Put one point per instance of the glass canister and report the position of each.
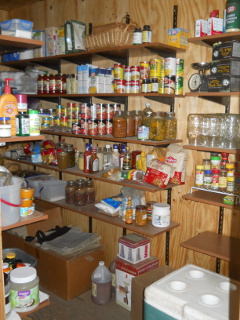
(157, 127)
(63, 160)
(137, 115)
(70, 191)
(130, 124)
(194, 129)
(214, 130)
(171, 126)
(90, 192)
(80, 193)
(119, 125)
(71, 155)
(232, 131)
(141, 215)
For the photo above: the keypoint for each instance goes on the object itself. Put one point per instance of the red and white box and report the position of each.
(125, 272)
(133, 248)
(201, 27)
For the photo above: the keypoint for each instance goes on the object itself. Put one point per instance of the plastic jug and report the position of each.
(101, 284)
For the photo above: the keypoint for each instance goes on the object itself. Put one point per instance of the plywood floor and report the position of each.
(80, 308)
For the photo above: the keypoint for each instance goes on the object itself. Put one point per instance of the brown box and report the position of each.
(139, 284)
(66, 276)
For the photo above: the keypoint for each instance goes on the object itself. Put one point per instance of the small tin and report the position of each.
(84, 126)
(92, 127)
(93, 111)
(127, 73)
(109, 111)
(161, 85)
(128, 86)
(170, 66)
(179, 85)
(56, 121)
(76, 129)
(144, 70)
(101, 127)
(116, 107)
(120, 86)
(154, 66)
(169, 84)
(63, 121)
(109, 125)
(118, 71)
(101, 111)
(135, 73)
(85, 111)
(143, 133)
(135, 86)
(64, 112)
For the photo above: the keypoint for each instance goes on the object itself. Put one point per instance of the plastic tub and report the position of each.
(17, 28)
(10, 202)
(22, 255)
(35, 181)
(52, 190)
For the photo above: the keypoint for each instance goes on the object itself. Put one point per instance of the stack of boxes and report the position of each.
(133, 259)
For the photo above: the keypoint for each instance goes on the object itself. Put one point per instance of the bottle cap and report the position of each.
(7, 88)
(10, 255)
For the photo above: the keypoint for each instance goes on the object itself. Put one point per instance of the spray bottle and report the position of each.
(9, 106)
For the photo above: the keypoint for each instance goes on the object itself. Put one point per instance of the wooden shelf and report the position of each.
(111, 138)
(218, 97)
(214, 199)
(91, 211)
(214, 245)
(20, 139)
(210, 40)
(210, 149)
(41, 305)
(37, 216)
(13, 44)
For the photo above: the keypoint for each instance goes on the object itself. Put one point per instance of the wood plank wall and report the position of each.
(193, 217)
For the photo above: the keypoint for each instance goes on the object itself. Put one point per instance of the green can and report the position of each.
(22, 124)
(179, 85)
(233, 16)
(179, 67)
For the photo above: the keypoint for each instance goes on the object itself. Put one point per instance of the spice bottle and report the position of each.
(222, 184)
(215, 179)
(207, 164)
(80, 193)
(94, 161)
(90, 192)
(129, 212)
(215, 162)
(10, 259)
(207, 179)
(127, 160)
(70, 191)
(141, 215)
(146, 34)
(119, 125)
(199, 174)
(137, 36)
(230, 184)
(230, 169)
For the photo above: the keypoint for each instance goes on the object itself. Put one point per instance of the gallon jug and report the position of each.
(101, 284)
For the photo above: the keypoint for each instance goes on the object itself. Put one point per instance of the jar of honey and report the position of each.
(141, 215)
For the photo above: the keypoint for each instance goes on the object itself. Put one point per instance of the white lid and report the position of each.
(101, 263)
(23, 274)
(108, 146)
(5, 265)
(161, 205)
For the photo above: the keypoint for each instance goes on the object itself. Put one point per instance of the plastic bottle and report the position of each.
(129, 212)
(115, 156)
(9, 105)
(94, 161)
(87, 156)
(7, 304)
(232, 15)
(112, 269)
(107, 157)
(101, 284)
(10, 259)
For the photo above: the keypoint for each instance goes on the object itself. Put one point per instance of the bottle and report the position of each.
(52, 84)
(8, 105)
(147, 113)
(69, 191)
(22, 102)
(222, 184)
(137, 36)
(129, 212)
(115, 156)
(127, 160)
(46, 83)
(141, 215)
(34, 122)
(10, 259)
(157, 127)
(119, 125)
(100, 157)
(101, 284)
(122, 155)
(130, 124)
(137, 115)
(94, 161)
(146, 34)
(22, 124)
(81, 161)
(90, 192)
(80, 193)
(232, 15)
(87, 156)
(215, 179)
(7, 300)
(207, 179)
(63, 160)
(112, 269)
(40, 84)
(199, 174)
(107, 157)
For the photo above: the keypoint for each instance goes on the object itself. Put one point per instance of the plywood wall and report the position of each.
(193, 217)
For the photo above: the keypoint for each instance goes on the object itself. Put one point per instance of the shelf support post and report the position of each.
(175, 15)
(169, 195)
(90, 224)
(220, 227)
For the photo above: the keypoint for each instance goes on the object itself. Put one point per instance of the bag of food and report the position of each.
(158, 173)
(177, 157)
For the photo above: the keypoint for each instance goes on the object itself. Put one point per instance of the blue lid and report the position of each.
(208, 171)
(115, 146)
(4, 118)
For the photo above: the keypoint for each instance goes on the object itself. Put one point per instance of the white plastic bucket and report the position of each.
(10, 202)
(161, 215)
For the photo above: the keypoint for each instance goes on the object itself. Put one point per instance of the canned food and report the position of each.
(109, 111)
(58, 110)
(76, 129)
(56, 121)
(46, 121)
(63, 121)
(170, 66)
(69, 123)
(135, 86)
(161, 85)
(179, 85)
(128, 86)
(92, 127)
(85, 111)
(120, 86)
(101, 127)
(143, 133)
(144, 70)
(179, 67)
(135, 73)
(169, 84)
(116, 107)
(127, 73)
(64, 112)
(93, 111)
(84, 126)
(162, 68)
(154, 66)
(109, 126)
(101, 111)
(45, 126)
(118, 71)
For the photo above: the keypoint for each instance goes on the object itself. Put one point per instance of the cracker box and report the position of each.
(125, 272)
(133, 248)
(226, 50)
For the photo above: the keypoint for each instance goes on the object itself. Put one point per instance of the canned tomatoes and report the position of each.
(101, 127)
(92, 127)
(144, 70)
(101, 111)
(118, 71)
(135, 72)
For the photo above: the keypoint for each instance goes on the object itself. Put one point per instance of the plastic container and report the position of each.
(10, 202)
(17, 28)
(34, 123)
(161, 215)
(35, 181)
(52, 190)
(21, 255)
(7, 302)
(24, 289)
(101, 284)
(5, 127)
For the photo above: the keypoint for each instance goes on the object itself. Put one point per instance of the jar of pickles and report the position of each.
(171, 126)
(157, 127)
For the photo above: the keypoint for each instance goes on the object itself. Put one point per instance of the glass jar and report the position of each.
(157, 127)
(194, 129)
(137, 36)
(214, 130)
(119, 125)
(80, 193)
(141, 215)
(70, 191)
(130, 124)
(207, 179)
(232, 130)
(137, 115)
(199, 174)
(230, 184)
(207, 164)
(215, 162)
(171, 126)
(71, 155)
(5, 127)
(215, 179)
(222, 183)
(90, 192)
(81, 161)
(63, 160)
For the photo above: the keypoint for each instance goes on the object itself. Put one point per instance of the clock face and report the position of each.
(194, 82)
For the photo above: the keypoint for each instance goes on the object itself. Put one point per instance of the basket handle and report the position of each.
(10, 204)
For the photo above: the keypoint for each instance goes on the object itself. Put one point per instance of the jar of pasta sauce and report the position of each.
(119, 125)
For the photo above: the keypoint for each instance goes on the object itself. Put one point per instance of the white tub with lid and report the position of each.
(161, 215)
(24, 289)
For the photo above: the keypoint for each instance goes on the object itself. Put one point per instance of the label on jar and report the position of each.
(24, 299)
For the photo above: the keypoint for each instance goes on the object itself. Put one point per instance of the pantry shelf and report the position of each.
(210, 40)
(218, 97)
(35, 217)
(20, 139)
(215, 245)
(13, 44)
(91, 211)
(41, 305)
(209, 149)
(111, 138)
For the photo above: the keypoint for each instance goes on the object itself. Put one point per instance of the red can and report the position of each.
(101, 127)
(92, 127)
(109, 126)
(76, 128)
(84, 126)
(101, 111)
(120, 86)
(135, 72)
(109, 111)
(85, 111)
(144, 70)
(135, 86)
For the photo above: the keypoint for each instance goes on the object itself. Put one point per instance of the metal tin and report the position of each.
(76, 129)
(64, 112)
(116, 107)
(118, 71)
(128, 86)
(101, 127)
(109, 111)
(143, 133)
(56, 121)
(69, 123)
(135, 86)
(63, 121)
(92, 127)
(135, 72)
(144, 70)
(101, 111)
(169, 84)
(179, 67)
(58, 110)
(85, 111)
(154, 66)
(93, 111)
(84, 126)
(161, 85)
(109, 126)
(179, 85)
(170, 66)
(120, 86)
(127, 73)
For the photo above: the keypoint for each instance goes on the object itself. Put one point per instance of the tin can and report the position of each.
(169, 84)
(161, 85)
(76, 129)
(143, 133)
(128, 86)
(144, 70)
(64, 112)
(93, 111)
(63, 121)
(69, 123)
(154, 66)
(109, 111)
(84, 126)
(101, 111)
(109, 126)
(116, 107)
(135, 72)
(92, 127)
(170, 67)
(179, 85)
(162, 68)
(45, 126)
(179, 67)
(120, 86)
(149, 205)
(85, 111)
(101, 127)
(58, 110)
(135, 86)
(127, 73)
(45, 121)
(56, 121)
(118, 71)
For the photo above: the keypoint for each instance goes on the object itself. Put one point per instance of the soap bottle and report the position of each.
(9, 105)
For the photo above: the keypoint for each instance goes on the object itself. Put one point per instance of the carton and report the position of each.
(51, 41)
(223, 83)
(226, 50)
(225, 67)
(66, 276)
(201, 27)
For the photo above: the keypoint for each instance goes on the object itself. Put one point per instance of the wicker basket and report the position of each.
(110, 35)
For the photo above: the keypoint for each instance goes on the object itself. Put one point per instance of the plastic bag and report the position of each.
(138, 197)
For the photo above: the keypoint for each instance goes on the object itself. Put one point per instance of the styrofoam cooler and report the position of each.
(192, 293)
(52, 190)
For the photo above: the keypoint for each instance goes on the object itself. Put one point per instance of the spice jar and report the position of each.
(137, 36)
(5, 127)
(207, 164)
(81, 161)
(230, 184)
(69, 191)
(141, 215)
(80, 193)
(157, 127)
(215, 179)
(215, 162)
(171, 126)
(230, 169)
(119, 125)
(130, 124)
(149, 205)
(146, 34)
(199, 175)
(71, 155)
(207, 179)
(90, 192)
(222, 183)
(63, 160)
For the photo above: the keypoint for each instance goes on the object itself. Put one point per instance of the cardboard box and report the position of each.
(139, 284)
(223, 83)
(226, 50)
(66, 276)
(225, 67)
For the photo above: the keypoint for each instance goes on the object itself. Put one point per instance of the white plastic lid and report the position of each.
(5, 265)
(101, 263)
(23, 274)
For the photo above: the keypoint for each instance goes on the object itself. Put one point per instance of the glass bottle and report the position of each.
(222, 184)
(129, 212)
(171, 126)
(46, 83)
(87, 156)
(157, 127)
(40, 84)
(94, 161)
(141, 215)
(121, 156)
(127, 160)
(80, 193)
(130, 124)
(107, 157)
(90, 192)
(119, 125)
(199, 174)
(137, 36)
(147, 115)
(100, 157)
(52, 84)
(137, 115)
(207, 164)
(63, 160)
(207, 179)
(81, 161)
(70, 191)
(146, 34)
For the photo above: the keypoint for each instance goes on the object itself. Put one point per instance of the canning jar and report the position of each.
(171, 126)
(141, 215)
(80, 193)
(90, 192)
(157, 127)
(137, 115)
(119, 125)
(194, 129)
(130, 124)
(71, 155)
(63, 160)
(70, 191)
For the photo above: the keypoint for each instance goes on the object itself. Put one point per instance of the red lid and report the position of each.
(21, 98)
(214, 14)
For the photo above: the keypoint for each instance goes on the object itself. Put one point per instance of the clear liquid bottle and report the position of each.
(100, 157)
(101, 284)
(115, 156)
(107, 157)
(147, 115)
